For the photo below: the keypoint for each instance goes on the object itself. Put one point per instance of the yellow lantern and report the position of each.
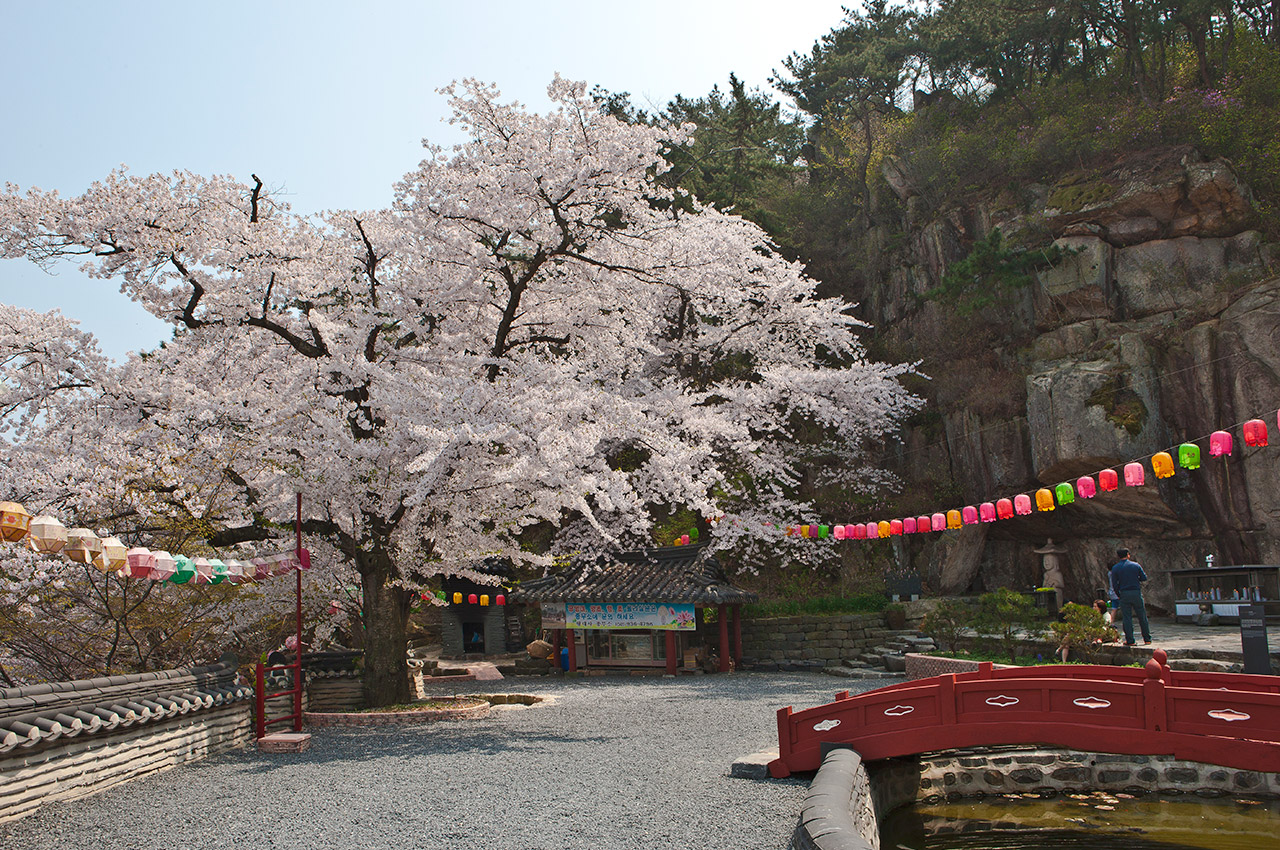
(14, 521)
(47, 535)
(115, 555)
(484, 599)
(457, 598)
(83, 547)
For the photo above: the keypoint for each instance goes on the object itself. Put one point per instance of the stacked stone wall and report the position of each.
(810, 641)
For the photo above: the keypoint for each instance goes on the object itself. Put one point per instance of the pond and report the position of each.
(1085, 821)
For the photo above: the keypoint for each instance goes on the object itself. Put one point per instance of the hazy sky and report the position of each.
(326, 101)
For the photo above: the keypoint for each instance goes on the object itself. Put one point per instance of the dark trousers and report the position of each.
(1131, 601)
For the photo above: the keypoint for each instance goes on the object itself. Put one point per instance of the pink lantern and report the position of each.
(987, 512)
(1255, 433)
(1108, 480)
(1004, 508)
(969, 515)
(873, 530)
(1219, 443)
(283, 562)
(1134, 474)
(165, 566)
(859, 532)
(909, 525)
(237, 573)
(204, 570)
(139, 562)
(1022, 504)
(895, 527)
(261, 568)
(1085, 487)
(938, 522)
(839, 532)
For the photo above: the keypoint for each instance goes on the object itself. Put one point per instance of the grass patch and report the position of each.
(863, 603)
(425, 705)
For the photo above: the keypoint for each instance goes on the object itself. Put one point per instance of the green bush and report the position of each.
(1005, 618)
(863, 603)
(947, 623)
(1082, 631)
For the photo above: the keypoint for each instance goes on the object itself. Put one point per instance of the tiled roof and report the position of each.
(41, 713)
(670, 574)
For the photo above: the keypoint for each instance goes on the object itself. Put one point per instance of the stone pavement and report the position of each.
(1189, 641)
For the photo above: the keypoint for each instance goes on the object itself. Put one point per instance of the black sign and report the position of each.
(1253, 639)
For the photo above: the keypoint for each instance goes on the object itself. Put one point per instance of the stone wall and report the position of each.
(809, 642)
(67, 740)
(838, 812)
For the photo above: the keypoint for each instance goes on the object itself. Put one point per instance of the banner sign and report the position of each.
(628, 615)
(553, 615)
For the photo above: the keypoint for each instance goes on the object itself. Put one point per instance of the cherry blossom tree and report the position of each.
(533, 332)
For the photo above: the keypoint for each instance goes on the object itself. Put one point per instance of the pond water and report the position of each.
(1086, 821)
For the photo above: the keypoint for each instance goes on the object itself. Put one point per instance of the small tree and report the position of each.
(1081, 631)
(947, 623)
(1006, 617)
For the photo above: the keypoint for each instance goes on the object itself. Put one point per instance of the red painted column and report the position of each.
(671, 652)
(737, 636)
(722, 614)
(555, 648)
(573, 650)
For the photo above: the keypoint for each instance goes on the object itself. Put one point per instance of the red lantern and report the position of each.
(1134, 474)
(922, 524)
(1004, 508)
(909, 525)
(1162, 464)
(938, 522)
(471, 598)
(500, 600)
(1108, 480)
(1085, 487)
(969, 515)
(987, 512)
(895, 527)
(1219, 443)
(859, 532)
(1022, 504)
(1255, 433)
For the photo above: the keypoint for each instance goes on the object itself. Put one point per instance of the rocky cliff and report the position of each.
(1159, 322)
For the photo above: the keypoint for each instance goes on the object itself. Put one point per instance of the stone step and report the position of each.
(856, 673)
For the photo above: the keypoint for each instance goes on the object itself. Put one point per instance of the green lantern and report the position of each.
(1064, 493)
(218, 572)
(184, 570)
(1189, 456)
(824, 530)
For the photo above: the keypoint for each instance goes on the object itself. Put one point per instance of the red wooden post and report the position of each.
(671, 652)
(573, 650)
(737, 635)
(297, 673)
(947, 699)
(781, 768)
(722, 614)
(260, 700)
(1155, 710)
(555, 648)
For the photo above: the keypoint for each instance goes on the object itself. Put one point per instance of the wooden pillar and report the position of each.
(737, 637)
(573, 650)
(672, 661)
(722, 614)
(555, 648)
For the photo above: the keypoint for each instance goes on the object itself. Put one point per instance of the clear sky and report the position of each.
(327, 101)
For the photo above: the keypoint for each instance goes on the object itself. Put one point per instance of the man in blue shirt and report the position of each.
(1126, 582)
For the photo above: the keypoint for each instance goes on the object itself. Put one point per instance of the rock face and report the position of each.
(1160, 323)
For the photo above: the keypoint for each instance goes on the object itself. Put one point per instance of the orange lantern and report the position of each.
(484, 599)
(47, 535)
(457, 598)
(14, 521)
(1044, 499)
(954, 520)
(883, 529)
(1162, 463)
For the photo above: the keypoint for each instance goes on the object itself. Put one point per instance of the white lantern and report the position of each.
(204, 570)
(47, 535)
(164, 566)
(261, 568)
(237, 572)
(83, 547)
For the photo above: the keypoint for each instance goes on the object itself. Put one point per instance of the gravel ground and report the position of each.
(611, 763)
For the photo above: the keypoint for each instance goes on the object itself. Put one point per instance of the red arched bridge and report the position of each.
(1229, 719)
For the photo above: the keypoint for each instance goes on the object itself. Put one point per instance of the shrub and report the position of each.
(1006, 617)
(947, 623)
(1082, 631)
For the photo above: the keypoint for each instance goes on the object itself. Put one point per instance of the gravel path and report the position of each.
(611, 763)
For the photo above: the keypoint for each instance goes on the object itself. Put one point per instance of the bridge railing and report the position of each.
(1152, 711)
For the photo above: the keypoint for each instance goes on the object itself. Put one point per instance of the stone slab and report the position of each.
(285, 742)
(754, 766)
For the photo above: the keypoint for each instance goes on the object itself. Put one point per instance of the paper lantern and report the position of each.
(824, 531)
(1219, 443)
(859, 532)
(883, 529)
(484, 599)
(261, 568)
(1255, 433)
(471, 599)
(204, 570)
(304, 559)
(969, 515)
(909, 525)
(83, 546)
(839, 532)
(217, 571)
(987, 512)
(1189, 456)
(1162, 464)
(183, 570)
(1108, 480)
(140, 562)
(1022, 504)
(938, 522)
(873, 530)
(954, 520)
(1064, 493)
(1044, 499)
(500, 600)
(165, 566)
(238, 572)
(1085, 487)
(457, 598)
(895, 527)
(1004, 508)
(47, 535)
(283, 562)
(1134, 474)
(14, 521)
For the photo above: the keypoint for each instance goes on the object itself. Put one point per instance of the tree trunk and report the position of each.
(386, 620)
